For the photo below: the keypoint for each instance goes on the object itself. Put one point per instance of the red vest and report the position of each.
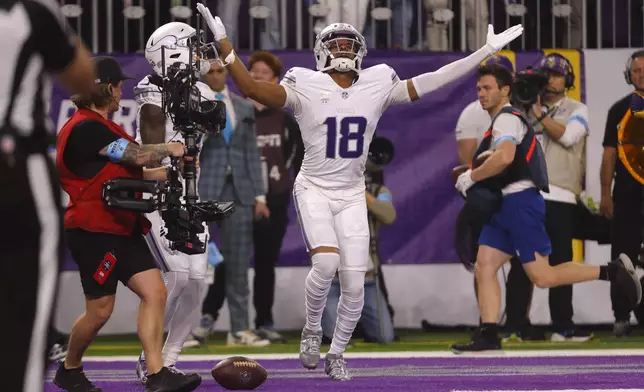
(86, 210)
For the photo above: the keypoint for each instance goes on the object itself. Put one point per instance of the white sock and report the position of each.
(175, 283)
(184, 319)
(349, 309)
(317, 287)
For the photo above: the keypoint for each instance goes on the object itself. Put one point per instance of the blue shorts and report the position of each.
(519, 226)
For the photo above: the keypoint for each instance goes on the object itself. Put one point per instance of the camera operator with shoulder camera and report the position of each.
(561, 125)
(471, 126)
(107, 244)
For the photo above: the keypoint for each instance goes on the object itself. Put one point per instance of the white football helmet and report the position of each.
(341, 47)
(176, 38)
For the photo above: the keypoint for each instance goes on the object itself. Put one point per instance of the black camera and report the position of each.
(193, 118)
(527, 86)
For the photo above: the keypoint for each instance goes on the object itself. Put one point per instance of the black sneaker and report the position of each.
(481, 341)
(165, 380)
(73, 380)
(627, 281)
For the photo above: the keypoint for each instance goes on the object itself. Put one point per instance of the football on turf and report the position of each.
(478, 161)
(239, 373)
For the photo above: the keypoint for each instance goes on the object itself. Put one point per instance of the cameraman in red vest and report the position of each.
(108, 244)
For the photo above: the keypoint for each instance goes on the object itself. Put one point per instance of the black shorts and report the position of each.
(104, 259)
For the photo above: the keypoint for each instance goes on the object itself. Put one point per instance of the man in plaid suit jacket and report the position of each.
(231, 171)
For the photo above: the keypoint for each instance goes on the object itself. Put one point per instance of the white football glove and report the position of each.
(214, 23)
(496, 42)
(464, 182)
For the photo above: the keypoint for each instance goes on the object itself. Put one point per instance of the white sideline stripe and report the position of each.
(397, 354)
(550, 390)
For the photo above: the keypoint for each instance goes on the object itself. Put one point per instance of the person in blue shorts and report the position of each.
(504, 192)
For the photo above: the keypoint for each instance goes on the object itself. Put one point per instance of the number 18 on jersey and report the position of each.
(345, 137)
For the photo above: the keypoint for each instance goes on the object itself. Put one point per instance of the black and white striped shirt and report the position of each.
(34, 41)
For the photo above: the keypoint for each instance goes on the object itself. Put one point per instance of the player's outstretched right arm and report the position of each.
(268, 94)
(412, 89)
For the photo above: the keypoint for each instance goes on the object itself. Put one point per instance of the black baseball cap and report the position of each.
(109, 70)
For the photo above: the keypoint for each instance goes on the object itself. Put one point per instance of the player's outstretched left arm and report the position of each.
(268, 94)
(421, 85)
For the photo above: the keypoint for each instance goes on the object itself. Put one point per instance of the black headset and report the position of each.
(570, 75)
(627, 69)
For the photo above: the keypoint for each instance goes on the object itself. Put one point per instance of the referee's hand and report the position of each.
(176, 150)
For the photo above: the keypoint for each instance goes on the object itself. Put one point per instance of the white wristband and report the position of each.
(230, 58)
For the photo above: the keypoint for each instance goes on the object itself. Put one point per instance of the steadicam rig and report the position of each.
(193, 117)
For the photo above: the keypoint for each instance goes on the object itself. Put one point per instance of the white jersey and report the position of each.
(338, 124)
(473, 122)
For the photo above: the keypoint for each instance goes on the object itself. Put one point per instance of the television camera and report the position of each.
(528, 85)
(193, 118)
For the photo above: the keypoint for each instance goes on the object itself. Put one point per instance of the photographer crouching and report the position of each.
(561, 126)
(108, 244)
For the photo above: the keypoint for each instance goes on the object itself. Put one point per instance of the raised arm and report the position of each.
(412, 89)
(268, 94)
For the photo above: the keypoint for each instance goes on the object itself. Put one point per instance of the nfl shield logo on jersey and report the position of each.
(345, 95)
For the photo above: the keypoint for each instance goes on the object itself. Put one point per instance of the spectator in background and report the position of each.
(623, 203)
(281, 149)
(228, 11)
(476, 19)
(353, 12)
(572, 37)
(401, 20)
(230, 171)
(376, 321)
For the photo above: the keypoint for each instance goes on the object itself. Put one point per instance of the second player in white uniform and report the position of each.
(337, 108)
(183, 274)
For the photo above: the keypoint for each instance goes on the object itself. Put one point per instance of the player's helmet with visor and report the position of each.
(340, 47)
(177, 38)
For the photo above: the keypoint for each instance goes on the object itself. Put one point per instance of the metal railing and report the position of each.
(109, 26)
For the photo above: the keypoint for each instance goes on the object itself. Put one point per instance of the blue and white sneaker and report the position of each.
(142, 370)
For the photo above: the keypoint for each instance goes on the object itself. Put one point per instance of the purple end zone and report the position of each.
(411, 374)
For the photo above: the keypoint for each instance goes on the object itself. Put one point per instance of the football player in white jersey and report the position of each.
(338, 108)
(183, 274)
